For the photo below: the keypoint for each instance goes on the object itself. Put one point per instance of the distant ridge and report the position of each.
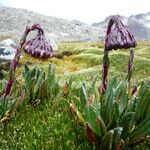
(139, 25)
(13, 22)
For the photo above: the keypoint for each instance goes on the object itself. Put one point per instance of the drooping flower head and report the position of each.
(38, 47)
(118, 36)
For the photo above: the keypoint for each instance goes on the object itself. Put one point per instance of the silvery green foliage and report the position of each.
(115, 120)
(38, 85)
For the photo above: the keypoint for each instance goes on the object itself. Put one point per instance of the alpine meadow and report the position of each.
(86, 95)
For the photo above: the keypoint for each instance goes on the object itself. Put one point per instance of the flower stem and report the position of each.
(15, 63)
(105, 72)
(130, 67)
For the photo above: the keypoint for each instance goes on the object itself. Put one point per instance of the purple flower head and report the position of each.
(38, 47)
(117, 36)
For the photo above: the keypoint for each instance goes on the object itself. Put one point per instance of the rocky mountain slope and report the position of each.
(13, 21)
(139, 25)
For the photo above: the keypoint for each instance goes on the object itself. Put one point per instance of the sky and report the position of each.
(87, 11)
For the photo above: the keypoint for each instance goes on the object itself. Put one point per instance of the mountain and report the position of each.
(13, 22)
(139, 25)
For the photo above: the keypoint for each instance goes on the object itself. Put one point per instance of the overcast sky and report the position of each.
(88, 11)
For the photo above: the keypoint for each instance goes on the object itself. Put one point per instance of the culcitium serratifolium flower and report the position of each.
(118, 36)
(38, 47)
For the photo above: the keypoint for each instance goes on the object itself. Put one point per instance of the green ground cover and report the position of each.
(50, 124)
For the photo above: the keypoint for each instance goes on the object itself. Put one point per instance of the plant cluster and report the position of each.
(38, 85)
(118, 117)
(114, 116)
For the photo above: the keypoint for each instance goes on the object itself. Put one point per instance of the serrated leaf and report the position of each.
(116, 137)
(132, 105)
(83, 95)
(76, 114)
(123, 101)
(110, 93)
(107, 141)
(70, 82)
(5, 74)
(93, 87)
(91, 115)
(26, 68)
(128, 122)
(33, 72)
(142, 130)
(114, 116)
(143, 101)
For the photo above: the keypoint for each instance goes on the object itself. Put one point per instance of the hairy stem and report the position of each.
(105, 72)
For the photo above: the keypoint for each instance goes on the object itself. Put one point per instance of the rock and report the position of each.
(2, 50)
(7, 52)
(13, 22)
(8, 43)
(7, 49)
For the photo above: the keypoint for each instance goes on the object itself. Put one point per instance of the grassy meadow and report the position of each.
(50, 126)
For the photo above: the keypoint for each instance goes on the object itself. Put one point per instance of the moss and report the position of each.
(50, 125)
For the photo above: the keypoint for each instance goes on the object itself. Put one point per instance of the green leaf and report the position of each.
(132, 104)
(93, 87)
(123, 100)
(142, 130)
(114, 116)
(2, 85)
(3, 107)
(147, 112)
(107, 141)
(33, 72)
(52, 87)
(26, 69)
(128, 122)
(56, 89)
(102, 125)
(5, 74)
(91, 115)
(83, 95)
(143, 102)
(116, 137)
(70, 82)
(110, 93)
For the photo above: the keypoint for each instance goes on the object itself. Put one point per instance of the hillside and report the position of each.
(13, 21)
(47, 123)
(138, 24)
